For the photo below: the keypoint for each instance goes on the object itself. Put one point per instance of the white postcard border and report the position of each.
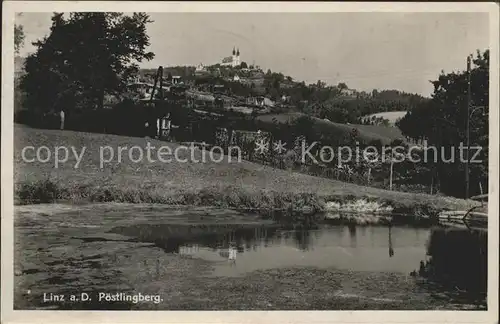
(10, 316)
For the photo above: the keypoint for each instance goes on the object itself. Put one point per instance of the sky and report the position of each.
(365, 50)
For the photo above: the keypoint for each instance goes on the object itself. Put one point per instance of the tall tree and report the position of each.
(18, 38)
(85, 57)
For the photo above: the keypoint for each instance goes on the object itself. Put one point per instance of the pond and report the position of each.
(369, 248)
(453, 259)
(193, 256)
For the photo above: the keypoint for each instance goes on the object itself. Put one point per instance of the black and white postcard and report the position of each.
(218, 158)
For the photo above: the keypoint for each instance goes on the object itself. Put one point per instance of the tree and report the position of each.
(442, 122)
(18, 38)
(320, 84)
(84, 58)
(244, 65)
(342, 86)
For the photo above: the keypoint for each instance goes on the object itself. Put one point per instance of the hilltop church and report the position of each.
(233, 60)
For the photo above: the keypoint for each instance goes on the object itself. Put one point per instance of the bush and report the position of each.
(44, 191)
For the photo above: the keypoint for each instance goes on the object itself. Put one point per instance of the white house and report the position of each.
(260, 101)
(201, 69)
(348, 92)
(176, 79)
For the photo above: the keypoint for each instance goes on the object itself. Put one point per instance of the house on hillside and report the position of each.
(177, 79)
(348, 92)
(260, 101)
(201, 70)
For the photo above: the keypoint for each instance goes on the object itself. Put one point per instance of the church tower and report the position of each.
(238, 61)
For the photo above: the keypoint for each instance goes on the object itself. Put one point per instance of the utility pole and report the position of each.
(390, 175)
(468, 128)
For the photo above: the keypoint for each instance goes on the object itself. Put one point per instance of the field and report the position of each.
(391, 116)
(367, 133)
(227, 184)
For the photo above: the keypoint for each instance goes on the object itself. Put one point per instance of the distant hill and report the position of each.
(367, 133)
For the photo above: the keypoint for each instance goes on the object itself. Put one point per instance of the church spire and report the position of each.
(234, 52)
(238, 52)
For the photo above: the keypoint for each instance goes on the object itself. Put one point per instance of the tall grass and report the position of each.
(51, 190)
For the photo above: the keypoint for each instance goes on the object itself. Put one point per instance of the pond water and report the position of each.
(357, 248)
(450, 258)
(448, 264)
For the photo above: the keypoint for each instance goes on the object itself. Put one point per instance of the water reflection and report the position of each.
(454, 258)
(391, 249)
(458, 262)
(302, 239)
(263, 247)
(450, 260)
(352, 234)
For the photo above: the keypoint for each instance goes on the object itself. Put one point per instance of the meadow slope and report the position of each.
(367, 133)
(225, 184)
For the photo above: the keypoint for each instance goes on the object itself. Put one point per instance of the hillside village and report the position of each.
(232, 84)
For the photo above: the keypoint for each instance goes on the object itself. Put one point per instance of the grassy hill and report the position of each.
(366, 132)
(223, 184)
